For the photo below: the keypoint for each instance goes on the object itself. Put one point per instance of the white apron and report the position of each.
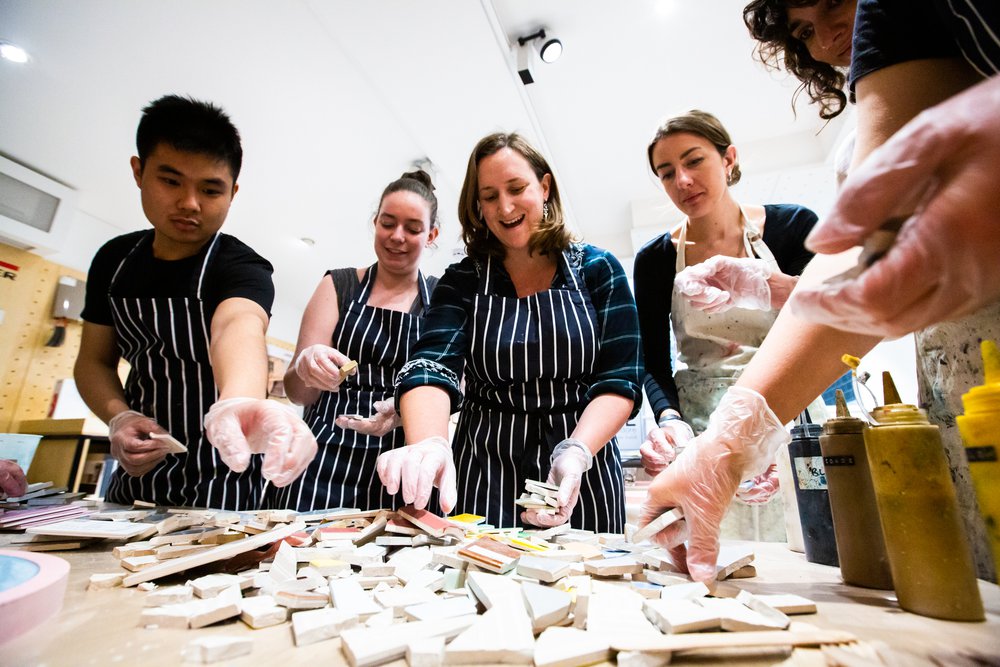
(948, 365)
(715, 347)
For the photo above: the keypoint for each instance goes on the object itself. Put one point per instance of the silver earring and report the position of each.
(545, 210)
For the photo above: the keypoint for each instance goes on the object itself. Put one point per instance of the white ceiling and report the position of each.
(335, 98)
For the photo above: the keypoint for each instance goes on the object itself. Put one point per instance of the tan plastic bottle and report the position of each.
(860, 544)
(929, 555)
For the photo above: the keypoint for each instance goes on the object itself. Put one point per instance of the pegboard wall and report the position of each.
(28, 369)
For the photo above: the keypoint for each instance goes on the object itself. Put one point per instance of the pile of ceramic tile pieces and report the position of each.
(452, 589)
(539, 496)
(43, 503)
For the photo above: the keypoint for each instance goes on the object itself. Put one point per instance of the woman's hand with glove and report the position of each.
(570, 460)
(742, 436)
(318, 366)
(417, 469)
(382, 422)
(722, 282)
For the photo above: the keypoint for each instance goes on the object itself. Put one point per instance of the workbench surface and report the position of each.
(100, 627)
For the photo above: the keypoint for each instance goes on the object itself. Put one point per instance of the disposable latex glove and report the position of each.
(131, 445)
(239, 427)
(739, 443)
(761, 488)
(720, 283)
(12, 480)
(417, 469)
(318, 366)
(569, 461)
(663, 444)
(384, 420)
(944, 263)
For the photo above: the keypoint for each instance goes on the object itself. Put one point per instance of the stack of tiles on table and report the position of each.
(43, 503)
(539, 496)
(453, 589)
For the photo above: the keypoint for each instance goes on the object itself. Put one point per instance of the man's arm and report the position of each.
(239, 349)
(96, 371)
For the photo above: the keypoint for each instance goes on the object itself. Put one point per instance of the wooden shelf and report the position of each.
(89, 426)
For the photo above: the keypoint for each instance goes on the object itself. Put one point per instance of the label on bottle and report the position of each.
(842, 460)
(810, 472)
(984, 454)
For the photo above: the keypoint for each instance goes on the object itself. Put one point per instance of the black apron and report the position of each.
(528, 369)
(343, 472)
(166, 341)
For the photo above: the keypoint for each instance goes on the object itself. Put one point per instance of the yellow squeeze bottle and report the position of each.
(980, 429)
(929, 554)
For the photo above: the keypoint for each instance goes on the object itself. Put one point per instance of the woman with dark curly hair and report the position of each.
(809, 38)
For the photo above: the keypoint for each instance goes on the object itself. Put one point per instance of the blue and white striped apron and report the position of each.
(166, 341)
(529, 365)
(343, 472)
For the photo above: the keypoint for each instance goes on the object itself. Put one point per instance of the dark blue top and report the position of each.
(786, 227)
(889, 32)
(438, 358)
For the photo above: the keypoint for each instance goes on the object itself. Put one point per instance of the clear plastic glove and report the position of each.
(662, 444)
(760, 489)
(417, 469)
(239, 427)
(569, 461)
(13, 483)
(318, 366)
(721, 282)
(742, 436)
(383, 421)
(944, 263)
(131, 445)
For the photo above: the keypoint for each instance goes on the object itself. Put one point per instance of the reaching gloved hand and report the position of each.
(569, 461)
(318, 366)
(13, 483)
(943, 264)
(418, 468)
(761, 488)
(740, 441)
(721, 282)
(383, 421)
(663, 444)
(131, 445)
(239, 427)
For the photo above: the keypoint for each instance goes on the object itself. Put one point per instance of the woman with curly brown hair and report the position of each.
(809, 38)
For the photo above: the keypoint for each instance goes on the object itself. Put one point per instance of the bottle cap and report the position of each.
(843, 423)
(895, 411)
(986, 397)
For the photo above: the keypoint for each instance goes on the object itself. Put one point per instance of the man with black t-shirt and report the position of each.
(188, 308)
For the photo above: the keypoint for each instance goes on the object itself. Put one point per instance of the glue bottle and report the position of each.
(980, 429)
(860, 545)
(929, 554)
(812, 494)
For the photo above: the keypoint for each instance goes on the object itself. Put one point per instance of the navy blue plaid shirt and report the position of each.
(438, 358)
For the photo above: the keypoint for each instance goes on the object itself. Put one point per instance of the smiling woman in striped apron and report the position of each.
(372, 316)
(546, 334)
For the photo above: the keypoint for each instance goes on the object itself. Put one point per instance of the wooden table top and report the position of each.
(100, 627)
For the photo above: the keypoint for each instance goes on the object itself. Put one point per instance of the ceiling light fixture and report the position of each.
(549, 49)
(13, 53)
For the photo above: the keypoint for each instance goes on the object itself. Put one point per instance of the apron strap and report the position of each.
(204, 265)
(366, 283)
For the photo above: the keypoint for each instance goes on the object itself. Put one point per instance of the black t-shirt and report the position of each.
(786, 227)
(889, 32)
(234, 270)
